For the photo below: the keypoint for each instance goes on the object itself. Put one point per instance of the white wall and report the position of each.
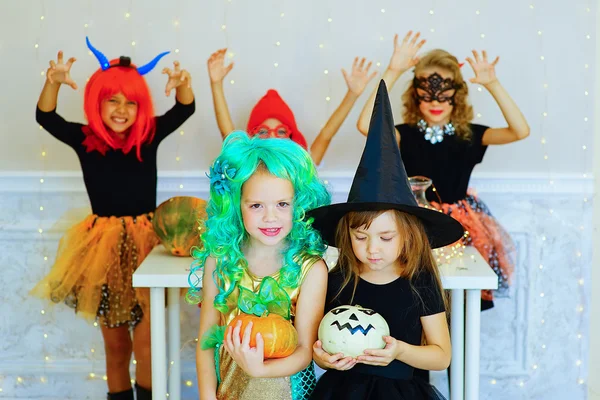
(541, 202)
(252, 28)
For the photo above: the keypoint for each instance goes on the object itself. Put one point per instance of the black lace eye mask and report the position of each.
(436, 88)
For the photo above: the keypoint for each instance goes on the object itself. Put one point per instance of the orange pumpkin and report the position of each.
(177, 221)
(279, 335)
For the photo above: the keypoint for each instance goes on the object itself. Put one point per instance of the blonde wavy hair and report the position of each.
(462, 113)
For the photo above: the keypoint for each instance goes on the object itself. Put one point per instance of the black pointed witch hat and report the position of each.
(381, 183)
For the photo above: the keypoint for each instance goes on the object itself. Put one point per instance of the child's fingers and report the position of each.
(471, 62)
(345, 364)
(260, 344)
(370, 359)
(345, 74)
(332, 358)
(246, 338)
(376, 352)
(228, 341)
(70, 61)
(236, 334)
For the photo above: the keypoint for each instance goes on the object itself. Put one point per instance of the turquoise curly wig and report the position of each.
(224, 235)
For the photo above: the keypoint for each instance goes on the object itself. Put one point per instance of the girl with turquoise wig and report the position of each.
(260, 255)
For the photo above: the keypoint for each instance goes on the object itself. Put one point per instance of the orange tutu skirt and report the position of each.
(94, 265)
(488, 237)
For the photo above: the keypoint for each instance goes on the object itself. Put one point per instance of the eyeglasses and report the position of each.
(280, 131)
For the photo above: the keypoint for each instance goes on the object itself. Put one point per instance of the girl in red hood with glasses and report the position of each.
(272, 117)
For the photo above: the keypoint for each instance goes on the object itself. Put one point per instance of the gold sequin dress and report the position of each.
(234, 383)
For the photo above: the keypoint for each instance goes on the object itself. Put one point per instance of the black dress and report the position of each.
(399, 305)
(449, 165)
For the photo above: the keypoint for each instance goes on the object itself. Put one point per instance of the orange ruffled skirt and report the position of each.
(488, 237)
(94, 265)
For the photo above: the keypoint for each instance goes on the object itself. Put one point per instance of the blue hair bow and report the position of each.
(219, 175)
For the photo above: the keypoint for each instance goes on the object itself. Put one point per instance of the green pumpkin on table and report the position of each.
(177, 223)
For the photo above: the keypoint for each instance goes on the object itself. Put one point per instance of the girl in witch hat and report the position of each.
(438, 140)
(117, 150)
(272, 117)
(386, 264)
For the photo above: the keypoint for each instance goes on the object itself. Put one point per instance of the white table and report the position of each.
(159, 271)
(469, 273)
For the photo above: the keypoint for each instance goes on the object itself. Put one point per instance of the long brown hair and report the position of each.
(462, 113)
(414, 254)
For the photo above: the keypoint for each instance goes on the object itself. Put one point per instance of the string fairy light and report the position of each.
(326, 61)
(281, 17)
(579, 308)
(586, 133)
(432, 16)
(181, 131)
(383, 21)
(128, 16)
(183, 347)
(543, 84)
(41, 208)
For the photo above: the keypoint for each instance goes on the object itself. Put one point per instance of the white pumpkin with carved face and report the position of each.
(351, 330)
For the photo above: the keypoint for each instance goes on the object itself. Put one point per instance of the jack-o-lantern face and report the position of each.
(351, 330)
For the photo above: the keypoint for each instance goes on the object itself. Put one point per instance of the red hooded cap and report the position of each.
(271, 105)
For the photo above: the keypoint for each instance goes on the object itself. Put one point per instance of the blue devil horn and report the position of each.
(144, 69)
(104, 64)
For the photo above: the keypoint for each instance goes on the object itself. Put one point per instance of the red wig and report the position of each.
(271, 105)
(129, 82)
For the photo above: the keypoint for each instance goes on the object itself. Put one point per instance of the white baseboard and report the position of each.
(340, 182)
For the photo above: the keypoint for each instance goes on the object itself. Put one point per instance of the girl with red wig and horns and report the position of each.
(272, 117)
(117, 151)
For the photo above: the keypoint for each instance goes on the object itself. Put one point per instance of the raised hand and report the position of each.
(59, 72)
(216, 66)
(359, 77)
(405, 53)
(485, 72)
(177, 77)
